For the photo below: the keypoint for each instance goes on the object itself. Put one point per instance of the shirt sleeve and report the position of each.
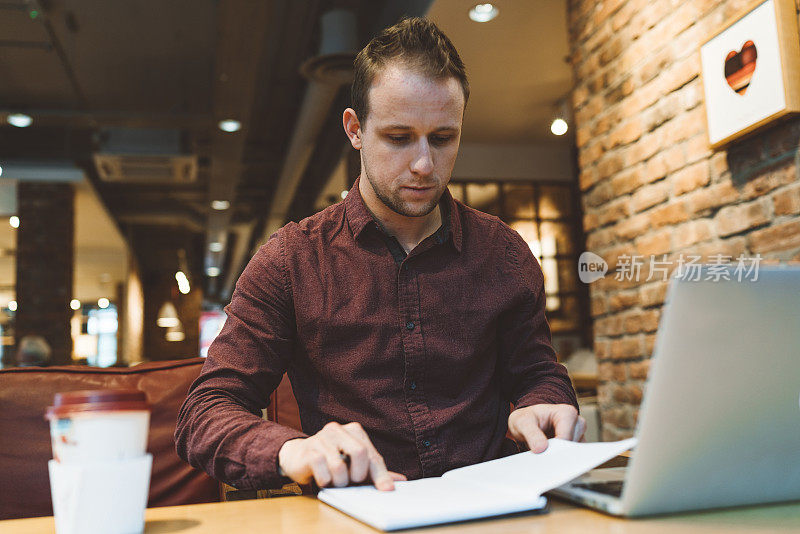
(530, 370)
(220, 428)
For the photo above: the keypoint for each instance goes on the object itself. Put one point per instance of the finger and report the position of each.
(319, 468)
(330, 447)
(564, 422)
(357, 452)
(580, 429)
(377, 468)
(397, 477)
(379, 474)
(527, 428)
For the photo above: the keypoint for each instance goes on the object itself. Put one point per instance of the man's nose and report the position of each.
(423, 160)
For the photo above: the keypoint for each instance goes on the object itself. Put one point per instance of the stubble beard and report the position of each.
(397, 204)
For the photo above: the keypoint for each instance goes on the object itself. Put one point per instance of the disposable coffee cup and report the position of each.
(106, 497)
(101, 425)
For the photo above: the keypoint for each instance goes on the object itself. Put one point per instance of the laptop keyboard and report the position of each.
(609, 488)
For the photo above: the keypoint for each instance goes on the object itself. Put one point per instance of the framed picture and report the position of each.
(751, 71)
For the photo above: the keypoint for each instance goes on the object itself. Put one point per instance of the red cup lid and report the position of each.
(100, 400)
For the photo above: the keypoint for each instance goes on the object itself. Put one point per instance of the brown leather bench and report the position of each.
(25, 448)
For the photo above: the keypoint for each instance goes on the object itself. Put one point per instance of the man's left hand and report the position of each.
(533, 425)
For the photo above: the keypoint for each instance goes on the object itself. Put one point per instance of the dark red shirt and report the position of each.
(425, 350)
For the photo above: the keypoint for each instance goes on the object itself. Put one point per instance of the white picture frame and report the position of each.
(751, 71)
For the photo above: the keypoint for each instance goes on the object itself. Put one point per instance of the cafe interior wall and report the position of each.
(131, 316)
(650, 184)
(156, 345)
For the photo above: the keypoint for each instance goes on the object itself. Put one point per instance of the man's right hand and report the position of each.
(321, 457)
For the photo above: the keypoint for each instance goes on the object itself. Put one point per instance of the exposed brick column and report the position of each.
(651, 186)
(45, 245)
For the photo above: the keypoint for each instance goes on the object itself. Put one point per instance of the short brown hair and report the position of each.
(416, 42)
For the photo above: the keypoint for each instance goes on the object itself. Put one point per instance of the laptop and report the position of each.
(719, 425)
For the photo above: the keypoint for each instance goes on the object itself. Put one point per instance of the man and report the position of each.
(407, 322)
(33, 351)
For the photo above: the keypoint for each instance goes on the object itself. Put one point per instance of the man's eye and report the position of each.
(399, 139)
(441, 139)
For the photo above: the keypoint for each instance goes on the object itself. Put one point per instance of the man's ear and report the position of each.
(352, 127)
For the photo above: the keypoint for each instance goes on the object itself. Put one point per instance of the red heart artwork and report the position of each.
(740, 66)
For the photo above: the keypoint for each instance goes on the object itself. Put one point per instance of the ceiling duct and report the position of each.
(326, 72)
(334, 62)
(144, 156)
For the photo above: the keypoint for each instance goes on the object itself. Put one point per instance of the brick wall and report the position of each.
(651, 186)
(45, 256)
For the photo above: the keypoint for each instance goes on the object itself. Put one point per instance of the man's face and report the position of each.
(410, 139)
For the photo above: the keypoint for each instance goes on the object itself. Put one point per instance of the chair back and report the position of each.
(25, 449)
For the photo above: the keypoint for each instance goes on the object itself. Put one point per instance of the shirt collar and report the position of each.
(359, 217)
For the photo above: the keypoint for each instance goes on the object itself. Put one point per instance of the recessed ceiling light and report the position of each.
(559, 127)
(103, 303)
(216, 246)
(13, 221)
(230, 125)
(20, 120)
(12, 305)
(213, 271)
(483, 12)
(220, 205)
(344, 195)
(75, 304)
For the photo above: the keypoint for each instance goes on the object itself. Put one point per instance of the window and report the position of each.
(548, 217)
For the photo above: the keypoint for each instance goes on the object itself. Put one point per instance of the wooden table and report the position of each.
(307, 515)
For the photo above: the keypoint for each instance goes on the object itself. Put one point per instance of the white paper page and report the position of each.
(427, 501)
(534, 474)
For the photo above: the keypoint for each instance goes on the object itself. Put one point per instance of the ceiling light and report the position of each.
(1, 170)
(230, 125)
(167, 315)
(183, 282)
(483, 12)
(220, 205)
(213, 271)
(103, 303)
(175, 333)
(20, 120)
(559, 126)
(344, 195)
(216, 246)
(75, 304)
(12, 305)
(13, 221)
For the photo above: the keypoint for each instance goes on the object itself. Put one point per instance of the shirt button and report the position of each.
(410, 325)
(413, 385)
(426, 443)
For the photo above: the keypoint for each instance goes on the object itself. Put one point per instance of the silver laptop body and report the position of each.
(720, 421)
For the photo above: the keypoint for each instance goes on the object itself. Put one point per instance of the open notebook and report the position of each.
(504, 486)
